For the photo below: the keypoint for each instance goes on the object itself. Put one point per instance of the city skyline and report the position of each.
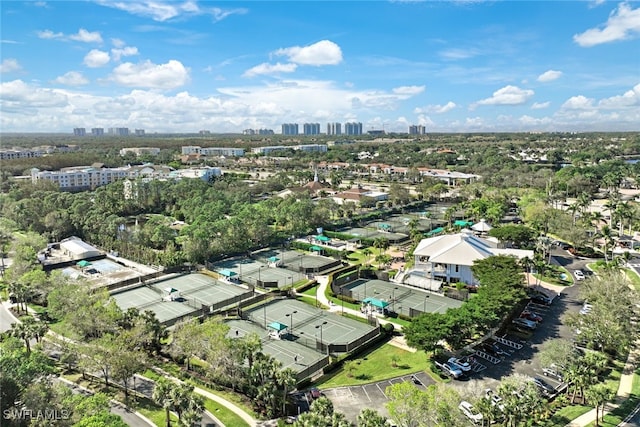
(459, 66)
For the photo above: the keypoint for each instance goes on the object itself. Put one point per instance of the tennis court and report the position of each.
(145, 298)
(203, 289)
(373, 233)
(401, 299)
(106, 266)
(310, 326)
(258, 273)
(303, 360)
(297, 261)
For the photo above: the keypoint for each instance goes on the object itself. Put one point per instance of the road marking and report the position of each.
(378, 385)
(365, 392)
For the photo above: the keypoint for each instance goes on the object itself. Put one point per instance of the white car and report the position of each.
(470, 412)
(586, 308)
(578, 274)
(461, 364)
(494, 399)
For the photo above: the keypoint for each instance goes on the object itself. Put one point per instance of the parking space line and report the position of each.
(365, 392)
(378, 385)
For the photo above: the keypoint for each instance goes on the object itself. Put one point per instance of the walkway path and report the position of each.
(224, 402)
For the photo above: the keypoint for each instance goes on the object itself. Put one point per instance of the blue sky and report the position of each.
(184, 66)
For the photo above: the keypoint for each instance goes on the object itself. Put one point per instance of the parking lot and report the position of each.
(351, 400)
(520, 355)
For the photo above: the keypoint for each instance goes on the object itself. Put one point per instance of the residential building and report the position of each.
(311, 129)
(353, 128)
(140, 151)
(119, 131)
(79, 132)
(258, 132)
(204, 173)
(139, 132)
(212, 151)
(322, 148)
(449, 257)
(270, 149)
(20, 153)
(290, 129)
(417, 130)
(97, 131)
(334, 128)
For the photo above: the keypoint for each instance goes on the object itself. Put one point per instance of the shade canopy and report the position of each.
(384, 226)
(227, 273)
(375, 302)
(435, 231)
(83, 263)
(274, 259)
(322, 238)
(461, 223)
(277, 326)
(316, 248)
(170, 290)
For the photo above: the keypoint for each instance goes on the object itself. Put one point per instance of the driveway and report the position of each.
(351, 400)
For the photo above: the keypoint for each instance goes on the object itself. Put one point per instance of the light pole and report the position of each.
(291, 314)
(321, 341)
(291, 278)
(265, 315)
(393, 298)
(259, 270)
(424, 309)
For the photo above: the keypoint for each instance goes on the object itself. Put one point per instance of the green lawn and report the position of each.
(633, 278)
(616, 416)
(565, 415)
(377, 365)
(227, 417)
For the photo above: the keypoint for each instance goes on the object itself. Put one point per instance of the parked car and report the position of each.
(470, 412)
(530, 315)
(527, 324)
(315, 393)
(586, 309)
(579, 275)
(451, 371)
(541, 299)
(489, 350)
(545, 388)
(494, 398)
(497, 349)
(460, 364)
(553, 371)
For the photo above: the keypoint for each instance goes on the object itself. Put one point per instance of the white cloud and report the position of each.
(508, 95)
(578, 103)
(457, 53)
(540, 105)
(149, 75)
(549, 76)
(5, 41)
(266, 68)
(623, 24)
(438, 109)
(17, 93)
(118, 53)
(630, 98)
(408, 90)
(324, 52)
(72, 78)
(117, 42)
(9, 65)
(164, 11)
(96, 58)
(48, 34)
(81, 36)
(86, 36)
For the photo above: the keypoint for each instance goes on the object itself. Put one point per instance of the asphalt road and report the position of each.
(6, 318)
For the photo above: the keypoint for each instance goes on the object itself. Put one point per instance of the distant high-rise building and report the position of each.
(334, 129)
(289, 128)
(97, 131)
(204, 132)
(311, 128)
(353, 128)
(79, 131)
(265, 132)
(119, 131)
(139, 132)
(417, 130)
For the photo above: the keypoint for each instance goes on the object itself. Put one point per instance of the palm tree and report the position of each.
(23, 331)
(164, 396)
(382, 243)
(527, 263)
(367, 253)
(286, 378)
(371, 418)
(607, 236)
(598, 395)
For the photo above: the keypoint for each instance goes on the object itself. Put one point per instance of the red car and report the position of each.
(530, 315)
